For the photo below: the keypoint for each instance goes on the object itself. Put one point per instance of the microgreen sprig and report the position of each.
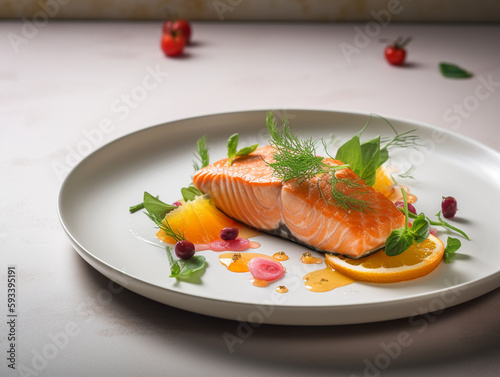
(402, 238)
(444, 224)
(201, 155)
(232, 148)
(452, 245)
(183, 269)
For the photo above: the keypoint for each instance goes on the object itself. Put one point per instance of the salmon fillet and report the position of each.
(247, 191)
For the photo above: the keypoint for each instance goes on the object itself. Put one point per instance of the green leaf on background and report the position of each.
(453, 71)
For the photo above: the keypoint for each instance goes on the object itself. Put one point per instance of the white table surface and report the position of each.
(67, 78)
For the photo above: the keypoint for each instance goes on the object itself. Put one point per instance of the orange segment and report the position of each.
(384, 183)
(419, 260)
(198, 220)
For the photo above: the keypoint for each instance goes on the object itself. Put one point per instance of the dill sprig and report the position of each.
(296, 159)
(165, 226)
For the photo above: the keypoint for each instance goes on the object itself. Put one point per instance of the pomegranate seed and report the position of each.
(449, 207)
(411, 208)
(184, 249)
(178, 204)
(228, 234)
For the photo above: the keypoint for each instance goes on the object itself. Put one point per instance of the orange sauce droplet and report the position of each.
(254, 245)
(246, 232)
(325, 280)
(260, 283)
(280, 255)
(281, 289)
(238, 262)
(307, 258)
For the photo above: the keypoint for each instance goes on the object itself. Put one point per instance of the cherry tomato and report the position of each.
(173, 44)
(395, 54)
(181, 26)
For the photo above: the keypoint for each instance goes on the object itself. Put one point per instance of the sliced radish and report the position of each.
(265, 269)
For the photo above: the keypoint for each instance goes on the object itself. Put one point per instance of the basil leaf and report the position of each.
(370, 153)
(452, 245)
(350, 153)
(190, 193)
(188, 267)
(383, 156)
(397, 242)
(232, 146)
(156, 207)
(420, 229)
(247, 150)
(453, 71)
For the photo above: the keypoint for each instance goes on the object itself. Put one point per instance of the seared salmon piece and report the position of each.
(304, 212)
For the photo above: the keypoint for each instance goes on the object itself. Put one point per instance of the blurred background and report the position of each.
(248, 10)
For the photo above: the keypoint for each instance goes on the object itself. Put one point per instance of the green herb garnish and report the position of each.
(232, 148)
(296, 159)
(442, 223)
(452, 245)
(183, 269)
(402, 238)
(201, 155)
(156, 207)
(364, 158)
(165, 226)
(136, 207)
(453, 71)
(190, 193)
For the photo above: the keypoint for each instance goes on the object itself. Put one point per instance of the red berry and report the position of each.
(411, 208)
(228, 234)
(449, 207)
(184, 249)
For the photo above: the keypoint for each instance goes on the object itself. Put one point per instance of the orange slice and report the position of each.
(419, 260)
(384, 183)
(198, 220)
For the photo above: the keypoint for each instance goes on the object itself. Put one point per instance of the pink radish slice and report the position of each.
(265, 269)
(238, 244)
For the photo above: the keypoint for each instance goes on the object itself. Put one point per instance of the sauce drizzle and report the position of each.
(325, 280)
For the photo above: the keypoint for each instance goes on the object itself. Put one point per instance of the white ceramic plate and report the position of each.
(95, 197)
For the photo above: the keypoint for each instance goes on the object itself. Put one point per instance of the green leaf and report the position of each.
(184, 269)
(452, 245)
(201, 154)
(190, 193)
(190, 266)
(453, 71)
(383, 156)
(232, 146)
(156, 207)
(350, 153)
(247, 150)
(420, 229)
(370, 153)
(397, 242)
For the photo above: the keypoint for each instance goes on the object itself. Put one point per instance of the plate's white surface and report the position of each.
(95, 197)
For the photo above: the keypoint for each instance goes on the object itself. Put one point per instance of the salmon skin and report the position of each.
(304, 212)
